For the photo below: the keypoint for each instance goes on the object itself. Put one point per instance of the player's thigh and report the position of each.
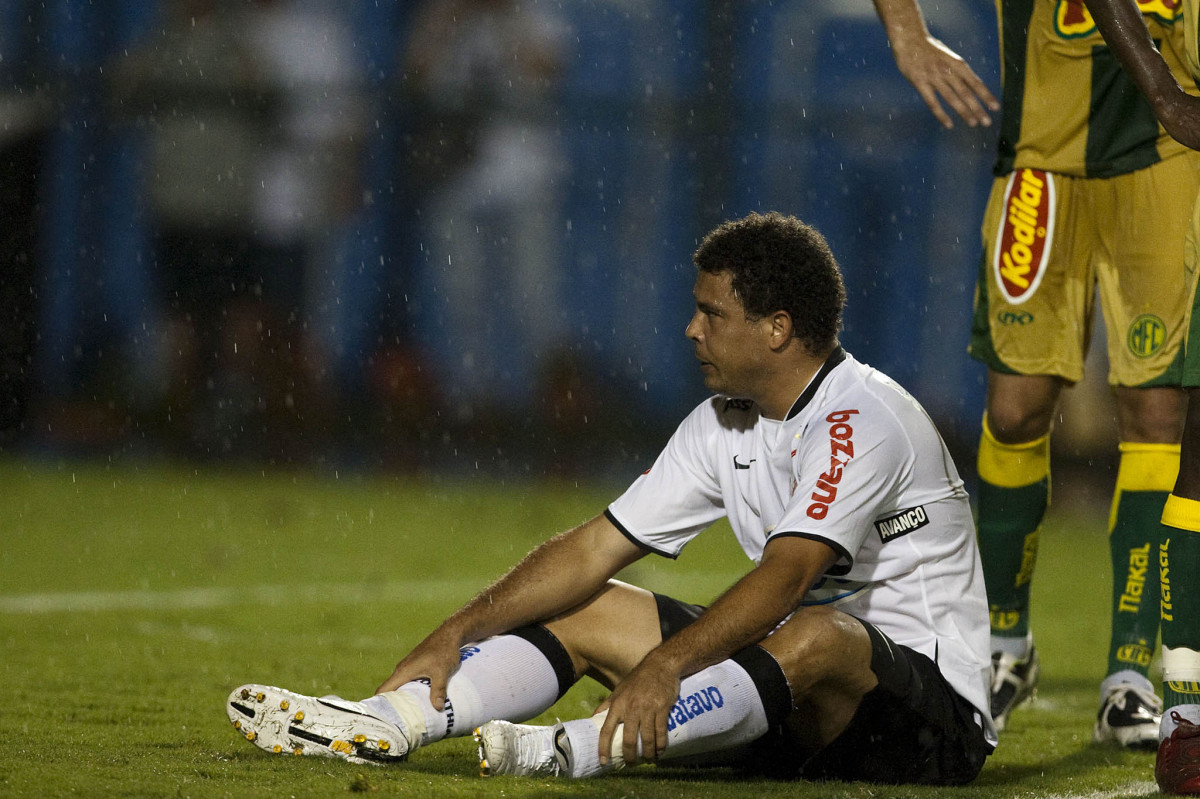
(610, 633)
(1146, 289)
(1033, 297)
(912, 727)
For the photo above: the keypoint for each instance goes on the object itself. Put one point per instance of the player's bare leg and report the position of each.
(826, 656)
(810, 674)
(1013, 494)
(513, 676)
(610, 634)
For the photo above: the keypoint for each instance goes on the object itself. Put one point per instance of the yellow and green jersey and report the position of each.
(1068, 105)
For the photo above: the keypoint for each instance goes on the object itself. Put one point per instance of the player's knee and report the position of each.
(817, 643)
(1013, 424)
(608, 634)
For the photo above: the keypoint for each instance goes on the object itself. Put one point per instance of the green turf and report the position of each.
(133, 599)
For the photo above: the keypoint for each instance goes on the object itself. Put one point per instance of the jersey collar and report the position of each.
(835, 357)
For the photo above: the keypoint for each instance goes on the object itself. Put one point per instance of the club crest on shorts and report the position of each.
(1026, 230)
(1147, 335)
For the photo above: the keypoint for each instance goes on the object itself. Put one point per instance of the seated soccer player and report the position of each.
(855, 649)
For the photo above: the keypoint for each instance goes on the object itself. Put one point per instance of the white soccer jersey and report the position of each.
(858, 465)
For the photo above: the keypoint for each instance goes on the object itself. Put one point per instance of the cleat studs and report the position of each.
(260, 697)
(245, 694)
(477, 735)
(237, 725)
(384, 745)
(360, 739)
(284, 705)
(276, 748)
(299, 716)
(297, 751)
(251, 735)
(484, 769)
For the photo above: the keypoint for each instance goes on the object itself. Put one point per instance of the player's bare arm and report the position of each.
(556, 576)
(932, 68)
(1120, 22)
(743, 615)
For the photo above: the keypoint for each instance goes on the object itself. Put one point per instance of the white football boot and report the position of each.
(523, 749)
(283, 722)
(1129, 716)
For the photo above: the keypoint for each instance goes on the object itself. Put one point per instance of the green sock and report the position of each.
(1008, 543)
(1133, 542)
(1179, 574)
(1014, 492)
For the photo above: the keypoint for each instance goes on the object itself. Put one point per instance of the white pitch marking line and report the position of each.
(204, 598)
(408, 591)
(1131, 790)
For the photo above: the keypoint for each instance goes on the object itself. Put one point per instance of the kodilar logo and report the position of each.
(1026, 230)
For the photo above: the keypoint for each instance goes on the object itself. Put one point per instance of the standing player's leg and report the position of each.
(1148, 421)
(1178, 765)
(1013, 494)
(1146, 315)
(1032, 320)
(1177, 768)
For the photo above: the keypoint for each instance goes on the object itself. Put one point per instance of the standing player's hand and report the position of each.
(642, 702)
(937, 71)
(1180, 116)
(434, 659)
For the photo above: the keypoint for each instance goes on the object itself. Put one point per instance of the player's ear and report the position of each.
(782, 329)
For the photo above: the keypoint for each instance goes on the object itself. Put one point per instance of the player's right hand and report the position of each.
(936, 72)
(435, 659)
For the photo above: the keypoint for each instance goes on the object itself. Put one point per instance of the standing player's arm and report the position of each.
(556, 576)
(933, 68)
(1121, 24)
(743, 615)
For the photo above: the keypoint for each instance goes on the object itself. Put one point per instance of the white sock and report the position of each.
(1123, 677)
(1017, 647)
(1182, 666)
(504, 677)
(718, 708)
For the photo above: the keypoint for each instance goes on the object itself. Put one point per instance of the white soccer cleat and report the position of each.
(1014, 681)
(1129, 716)
(523, 749)
(283, 722)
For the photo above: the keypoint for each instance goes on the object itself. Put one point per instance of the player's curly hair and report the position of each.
(779, 263)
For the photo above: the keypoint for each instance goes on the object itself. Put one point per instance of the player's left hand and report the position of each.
(642, 702)
(937, 71)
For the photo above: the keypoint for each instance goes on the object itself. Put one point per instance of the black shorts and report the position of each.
(912, 728)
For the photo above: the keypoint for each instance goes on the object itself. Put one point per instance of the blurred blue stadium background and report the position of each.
(673, 114)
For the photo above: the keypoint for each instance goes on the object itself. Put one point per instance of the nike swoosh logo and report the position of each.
(739, 465)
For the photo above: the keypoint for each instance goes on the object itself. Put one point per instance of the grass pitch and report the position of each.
(134, 599)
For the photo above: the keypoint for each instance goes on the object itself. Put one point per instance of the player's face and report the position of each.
(729, 346)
